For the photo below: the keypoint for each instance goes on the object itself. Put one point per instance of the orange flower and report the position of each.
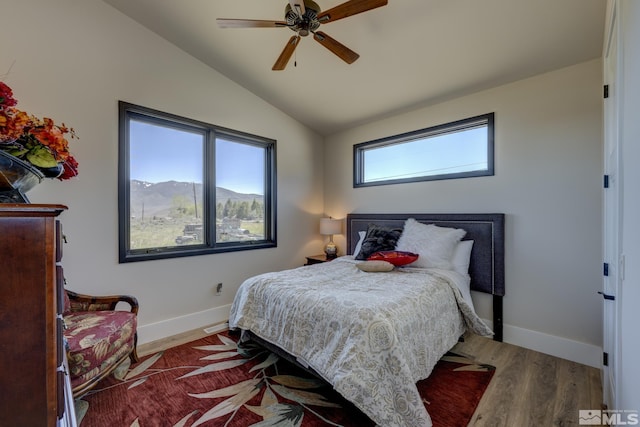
(12, 124)
(52, 136)
(39, 142)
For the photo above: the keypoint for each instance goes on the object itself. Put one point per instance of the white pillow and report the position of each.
(356, 251)
(434, 244)
(462, 256)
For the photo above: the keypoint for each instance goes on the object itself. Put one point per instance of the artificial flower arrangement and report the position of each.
(39, 142)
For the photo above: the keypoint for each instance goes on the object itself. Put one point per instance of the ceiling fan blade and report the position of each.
(352, 7)
(298, 7)
(248, 23)
(346, 54)
(284, 57)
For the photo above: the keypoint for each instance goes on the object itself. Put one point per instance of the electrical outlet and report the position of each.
(219, 289)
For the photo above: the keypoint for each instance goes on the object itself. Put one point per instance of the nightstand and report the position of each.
(317, 259)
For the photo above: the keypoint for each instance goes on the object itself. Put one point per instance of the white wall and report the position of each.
(72, 60)
(548, 180)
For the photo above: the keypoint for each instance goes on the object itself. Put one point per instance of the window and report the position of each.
(191, 188)
(454, 150)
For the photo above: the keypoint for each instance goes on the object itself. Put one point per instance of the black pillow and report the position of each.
(378, 238)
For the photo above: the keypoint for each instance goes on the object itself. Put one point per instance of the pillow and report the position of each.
(375, 266)
(378, 238)
(434, 244)
(396, 258)
(361, 235)
(462, 256)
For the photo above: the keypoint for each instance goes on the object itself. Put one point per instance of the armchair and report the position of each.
(99, 337)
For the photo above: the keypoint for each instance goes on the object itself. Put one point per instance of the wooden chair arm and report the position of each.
(81, 302)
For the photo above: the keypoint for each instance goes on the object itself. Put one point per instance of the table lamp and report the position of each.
(329, 227)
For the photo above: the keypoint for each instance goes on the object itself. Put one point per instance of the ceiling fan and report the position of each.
(304, 17)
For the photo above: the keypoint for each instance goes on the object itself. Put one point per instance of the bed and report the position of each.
(372, 336)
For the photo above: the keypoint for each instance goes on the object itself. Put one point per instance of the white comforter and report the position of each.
(371, 335)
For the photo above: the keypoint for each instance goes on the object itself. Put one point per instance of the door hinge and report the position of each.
(606, 269)
(606, 181)
(606, 91)
(605, 358)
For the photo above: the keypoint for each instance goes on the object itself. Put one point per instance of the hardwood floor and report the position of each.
(529, 389)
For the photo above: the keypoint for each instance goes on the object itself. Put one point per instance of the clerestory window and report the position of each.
(461, 149)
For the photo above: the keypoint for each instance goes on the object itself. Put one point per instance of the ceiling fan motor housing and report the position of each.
(306, 24)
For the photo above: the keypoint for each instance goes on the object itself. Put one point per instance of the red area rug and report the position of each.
(213, 382)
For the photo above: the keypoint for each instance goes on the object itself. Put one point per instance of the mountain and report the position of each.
(158, 198)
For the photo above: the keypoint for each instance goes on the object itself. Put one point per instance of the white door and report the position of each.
(611, 212)
(628, 108)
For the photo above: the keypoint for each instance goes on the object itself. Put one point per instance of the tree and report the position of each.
(257, 209)
(227, 212)
(243, 210)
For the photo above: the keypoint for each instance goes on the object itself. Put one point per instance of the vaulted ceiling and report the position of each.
(412, 52)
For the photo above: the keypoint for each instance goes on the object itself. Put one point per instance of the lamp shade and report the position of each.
(330, 226)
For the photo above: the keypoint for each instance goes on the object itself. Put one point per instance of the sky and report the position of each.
(448, 153)
(159, 154)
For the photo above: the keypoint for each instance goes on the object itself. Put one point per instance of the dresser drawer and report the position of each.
(59, 241)
(61, 390)
(59, 289)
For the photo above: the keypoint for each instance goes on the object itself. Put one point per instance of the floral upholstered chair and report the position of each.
(99, 337)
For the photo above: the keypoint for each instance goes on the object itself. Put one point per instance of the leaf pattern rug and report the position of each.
(216, 382)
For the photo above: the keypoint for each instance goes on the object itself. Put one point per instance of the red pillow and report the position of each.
(396, 258)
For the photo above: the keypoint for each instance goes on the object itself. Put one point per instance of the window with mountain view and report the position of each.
(191, 188)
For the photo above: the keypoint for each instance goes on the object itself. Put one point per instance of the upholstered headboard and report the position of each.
(487, 257)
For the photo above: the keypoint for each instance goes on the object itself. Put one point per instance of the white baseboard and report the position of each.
(178, 325)
(576, 351)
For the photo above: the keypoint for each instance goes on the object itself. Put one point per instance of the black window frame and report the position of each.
(456, 126)
(128, 111)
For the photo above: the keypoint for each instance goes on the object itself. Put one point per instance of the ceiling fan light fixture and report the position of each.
(303, 23)
(309, 5)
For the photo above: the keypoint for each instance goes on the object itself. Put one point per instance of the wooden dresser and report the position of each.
(33, 373)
